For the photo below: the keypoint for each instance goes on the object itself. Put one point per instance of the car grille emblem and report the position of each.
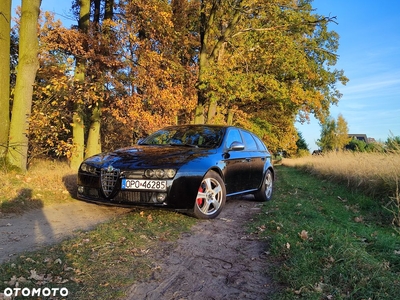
(109, 178)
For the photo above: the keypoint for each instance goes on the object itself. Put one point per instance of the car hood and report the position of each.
(148, 157)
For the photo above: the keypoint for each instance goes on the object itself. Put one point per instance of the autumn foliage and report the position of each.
(261, 65)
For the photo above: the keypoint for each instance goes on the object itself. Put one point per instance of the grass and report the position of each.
(46, 183)
(328, 242)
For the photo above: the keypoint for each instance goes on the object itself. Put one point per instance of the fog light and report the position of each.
(81, 189)
(161, 197)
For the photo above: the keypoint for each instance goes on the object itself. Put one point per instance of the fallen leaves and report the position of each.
(14, 280)
(57, 276)
(358, 219)
(39, 279)
(303, 235)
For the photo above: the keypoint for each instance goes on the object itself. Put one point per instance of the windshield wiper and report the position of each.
(184, 145)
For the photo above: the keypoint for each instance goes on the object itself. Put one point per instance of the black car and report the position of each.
(186, 167)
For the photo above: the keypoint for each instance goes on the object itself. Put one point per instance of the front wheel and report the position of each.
(266, 189)
(211, 197)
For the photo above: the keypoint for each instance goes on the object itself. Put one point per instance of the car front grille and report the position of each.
(134, 197)
(109, 178)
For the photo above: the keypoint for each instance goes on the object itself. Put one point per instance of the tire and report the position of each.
(211, 197)
(267, 187)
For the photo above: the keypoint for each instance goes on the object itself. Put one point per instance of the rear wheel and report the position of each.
(266, 189)
(211, 196)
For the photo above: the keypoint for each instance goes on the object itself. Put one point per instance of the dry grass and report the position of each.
(46, 182)
(374, 174)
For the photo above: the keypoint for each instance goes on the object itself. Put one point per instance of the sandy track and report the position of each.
(216, 260)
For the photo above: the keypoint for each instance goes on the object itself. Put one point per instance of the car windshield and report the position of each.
(191, 136)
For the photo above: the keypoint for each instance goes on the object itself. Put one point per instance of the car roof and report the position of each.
(202, 125)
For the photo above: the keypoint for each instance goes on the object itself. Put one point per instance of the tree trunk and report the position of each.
(211, 53)
(93, 145)
(94, 142)
(109, 9)
(28, 65)
(78, 126)
(5, 28)
(199, 114)
(78, 137)
(229, 120)
(212, 111)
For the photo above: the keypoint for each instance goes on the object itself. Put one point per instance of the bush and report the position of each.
(302, 153)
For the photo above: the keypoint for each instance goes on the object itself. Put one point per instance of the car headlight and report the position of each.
(149, 173)
(88, 168)
(170, 173)
(160, 173)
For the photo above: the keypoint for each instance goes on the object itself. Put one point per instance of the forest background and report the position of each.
(127, 68)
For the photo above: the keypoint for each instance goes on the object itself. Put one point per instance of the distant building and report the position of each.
(360, 137)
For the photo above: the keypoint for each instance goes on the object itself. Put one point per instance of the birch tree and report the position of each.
(5, 29)
(28, 65)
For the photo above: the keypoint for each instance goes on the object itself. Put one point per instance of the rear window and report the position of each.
(260, 144)
(251, 144)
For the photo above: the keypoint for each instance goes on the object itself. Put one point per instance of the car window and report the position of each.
(260, 144)
(250, 142)
(233, 136)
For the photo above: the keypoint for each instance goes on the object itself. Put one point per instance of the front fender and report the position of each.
(185, 186)
(184, 190)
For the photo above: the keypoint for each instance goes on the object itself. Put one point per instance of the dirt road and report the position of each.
(217, 259)
(49, 225)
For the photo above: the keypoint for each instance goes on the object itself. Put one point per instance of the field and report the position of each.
(373, 174)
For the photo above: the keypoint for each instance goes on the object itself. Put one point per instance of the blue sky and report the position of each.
(369, 54)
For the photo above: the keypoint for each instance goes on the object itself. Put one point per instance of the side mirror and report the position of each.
(236, 146)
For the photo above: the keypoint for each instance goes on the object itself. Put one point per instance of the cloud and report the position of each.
(376, 83)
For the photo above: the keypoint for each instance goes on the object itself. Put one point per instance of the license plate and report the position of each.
(143, 184)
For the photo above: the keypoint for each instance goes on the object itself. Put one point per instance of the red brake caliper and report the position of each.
(200, 200)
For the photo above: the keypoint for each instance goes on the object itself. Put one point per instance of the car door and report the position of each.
(255, 158)
(236, 171)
